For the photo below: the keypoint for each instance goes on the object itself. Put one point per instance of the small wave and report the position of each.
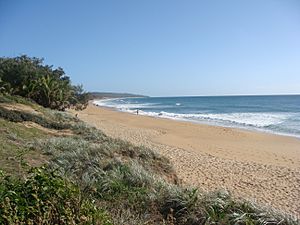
(250, 119)
(259, 120)
(178, 104)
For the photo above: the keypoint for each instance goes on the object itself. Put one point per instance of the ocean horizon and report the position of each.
(277, 114)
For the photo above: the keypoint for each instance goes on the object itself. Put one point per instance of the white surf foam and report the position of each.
(122, 105)
(102, 102)
(248, 119)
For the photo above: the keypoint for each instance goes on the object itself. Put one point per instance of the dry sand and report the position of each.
(256, 166)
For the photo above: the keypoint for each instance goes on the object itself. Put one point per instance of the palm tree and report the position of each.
(54, 93)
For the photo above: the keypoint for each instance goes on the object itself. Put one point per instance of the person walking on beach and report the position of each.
(137, 112)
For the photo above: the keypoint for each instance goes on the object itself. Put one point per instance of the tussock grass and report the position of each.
(220, 206)
(89, 133)
(126, 183)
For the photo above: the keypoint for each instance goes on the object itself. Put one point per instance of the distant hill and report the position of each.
(100, 95)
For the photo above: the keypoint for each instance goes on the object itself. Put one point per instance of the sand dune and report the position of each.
(256, 166)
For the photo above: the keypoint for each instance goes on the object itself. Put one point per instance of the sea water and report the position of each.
(276, 114)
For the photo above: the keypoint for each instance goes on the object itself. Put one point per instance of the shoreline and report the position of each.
(238, 127)
(250, 164)
(259, 131)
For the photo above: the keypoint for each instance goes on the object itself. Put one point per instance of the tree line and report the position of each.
(29, 77)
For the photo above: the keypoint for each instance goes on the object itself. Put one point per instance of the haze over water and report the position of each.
(275, 114)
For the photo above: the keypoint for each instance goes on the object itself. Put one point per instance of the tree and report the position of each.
(29, 77)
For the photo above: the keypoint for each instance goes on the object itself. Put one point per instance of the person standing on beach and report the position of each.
(137, 112)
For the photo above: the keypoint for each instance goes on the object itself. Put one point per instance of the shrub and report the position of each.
(46, 198)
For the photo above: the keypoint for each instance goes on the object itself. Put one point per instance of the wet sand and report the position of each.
(256, 166)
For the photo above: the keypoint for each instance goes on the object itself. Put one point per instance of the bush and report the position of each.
(46, 198)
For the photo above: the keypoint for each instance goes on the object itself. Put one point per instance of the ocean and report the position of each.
(275, 114)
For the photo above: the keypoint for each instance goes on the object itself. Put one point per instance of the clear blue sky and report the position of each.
(161, 47)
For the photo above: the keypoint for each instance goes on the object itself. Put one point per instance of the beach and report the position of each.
(260, 167)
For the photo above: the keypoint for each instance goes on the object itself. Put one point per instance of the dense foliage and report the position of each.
(30, 78)
(45, 198)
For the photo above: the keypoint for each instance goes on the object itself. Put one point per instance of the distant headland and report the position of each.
(101, 95)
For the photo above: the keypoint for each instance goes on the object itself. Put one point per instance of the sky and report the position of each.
(161, 47)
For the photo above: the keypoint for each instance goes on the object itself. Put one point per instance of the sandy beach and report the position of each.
(256, 166)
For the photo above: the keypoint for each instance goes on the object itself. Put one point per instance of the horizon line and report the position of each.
(174, 96)
(227, 95)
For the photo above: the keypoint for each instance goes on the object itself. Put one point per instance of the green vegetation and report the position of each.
(30, 78)
(17, 116)
(82, 176)
(45, 198)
